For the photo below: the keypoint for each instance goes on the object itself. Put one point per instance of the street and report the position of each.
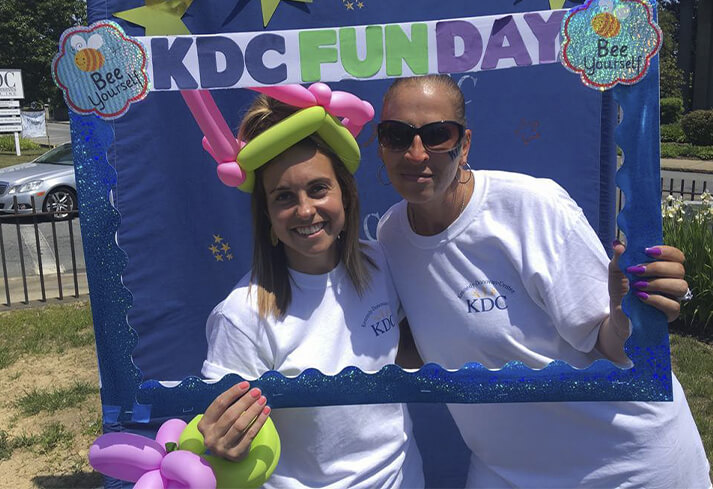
(58, 133)
(19, 235)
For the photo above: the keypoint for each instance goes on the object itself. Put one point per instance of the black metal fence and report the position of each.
(683, 190)
(54, 271)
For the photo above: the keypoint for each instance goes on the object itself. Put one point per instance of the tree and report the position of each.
(671, 74)
(29, 39)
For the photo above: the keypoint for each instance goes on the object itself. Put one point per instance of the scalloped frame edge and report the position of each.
(649, 379)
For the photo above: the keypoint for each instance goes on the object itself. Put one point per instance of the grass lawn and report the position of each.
(50, 410)
(7, 159)
(693, 365)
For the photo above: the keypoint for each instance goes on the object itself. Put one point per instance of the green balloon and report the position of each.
(248, 473)
(191, 439)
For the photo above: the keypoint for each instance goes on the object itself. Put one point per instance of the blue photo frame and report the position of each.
(128, 395)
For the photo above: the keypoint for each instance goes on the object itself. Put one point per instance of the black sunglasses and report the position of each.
(437, 137)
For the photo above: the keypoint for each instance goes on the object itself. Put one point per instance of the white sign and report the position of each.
(11, 84)
(33, 124)
(4, 128)
(366, 52)
(10, 120)
(4, 112)
(9, 103)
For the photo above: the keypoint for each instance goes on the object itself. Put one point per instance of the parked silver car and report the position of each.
(49, 179)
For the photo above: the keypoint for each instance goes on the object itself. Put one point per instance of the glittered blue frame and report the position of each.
(128, 397)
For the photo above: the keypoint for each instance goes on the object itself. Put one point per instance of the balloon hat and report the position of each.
(320, 109)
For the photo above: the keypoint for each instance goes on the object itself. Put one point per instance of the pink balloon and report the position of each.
(151, 480)
(322, 93)
(125, 456)
(210, 120)
(170, 431)
(344, 104)
(231, 174)
(178, 485)
(187, 469)
(296, 95)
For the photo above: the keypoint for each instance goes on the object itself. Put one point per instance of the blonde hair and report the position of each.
(270, 273)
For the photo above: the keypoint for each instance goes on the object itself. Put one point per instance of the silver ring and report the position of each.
(686, 297)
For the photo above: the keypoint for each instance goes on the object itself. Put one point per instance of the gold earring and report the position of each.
(273, 237)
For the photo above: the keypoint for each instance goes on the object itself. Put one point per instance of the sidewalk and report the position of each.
(697, 166)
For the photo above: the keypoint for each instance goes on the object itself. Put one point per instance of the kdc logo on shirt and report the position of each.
(379, 319)
(483, 296)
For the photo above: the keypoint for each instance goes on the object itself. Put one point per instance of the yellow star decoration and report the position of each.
(556, 4)
(220, 249)
(159, 17)
(269, 7)
(349, 4)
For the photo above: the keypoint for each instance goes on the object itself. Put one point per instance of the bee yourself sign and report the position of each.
(100, 70)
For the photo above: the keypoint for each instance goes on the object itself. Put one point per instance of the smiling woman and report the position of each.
(313, 290)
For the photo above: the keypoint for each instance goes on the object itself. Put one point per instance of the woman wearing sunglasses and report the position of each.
(496, 266)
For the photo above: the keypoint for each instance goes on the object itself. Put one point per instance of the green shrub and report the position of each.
(7, 143)
(679, 150)
(671, 110)
(698, 127)
(672, 133)
(690, 228)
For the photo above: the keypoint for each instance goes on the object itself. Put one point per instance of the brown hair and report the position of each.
(269, 265)
(442, 81)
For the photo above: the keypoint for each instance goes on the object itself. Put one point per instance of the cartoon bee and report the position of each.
(606, 23)
(88, 57)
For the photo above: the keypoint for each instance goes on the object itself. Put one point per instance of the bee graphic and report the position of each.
(606, 23)
(88, 57)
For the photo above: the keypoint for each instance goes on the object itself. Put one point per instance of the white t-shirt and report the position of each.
(328, 327)
(520, 275)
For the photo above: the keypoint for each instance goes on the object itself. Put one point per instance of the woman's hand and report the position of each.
(233, 420)
(659, 283)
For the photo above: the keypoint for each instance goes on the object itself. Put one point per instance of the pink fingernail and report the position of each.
(262, 400)
(641, 284)
(641, 295)
(636, 270)
(653, 251)
(267, 410)
(616, 242)
(243, 385)
(255, 393)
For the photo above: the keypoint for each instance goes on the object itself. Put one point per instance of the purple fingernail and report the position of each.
(637, 269)
(641, 295)
(641, 284)
(653, 251)
(616, 242)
